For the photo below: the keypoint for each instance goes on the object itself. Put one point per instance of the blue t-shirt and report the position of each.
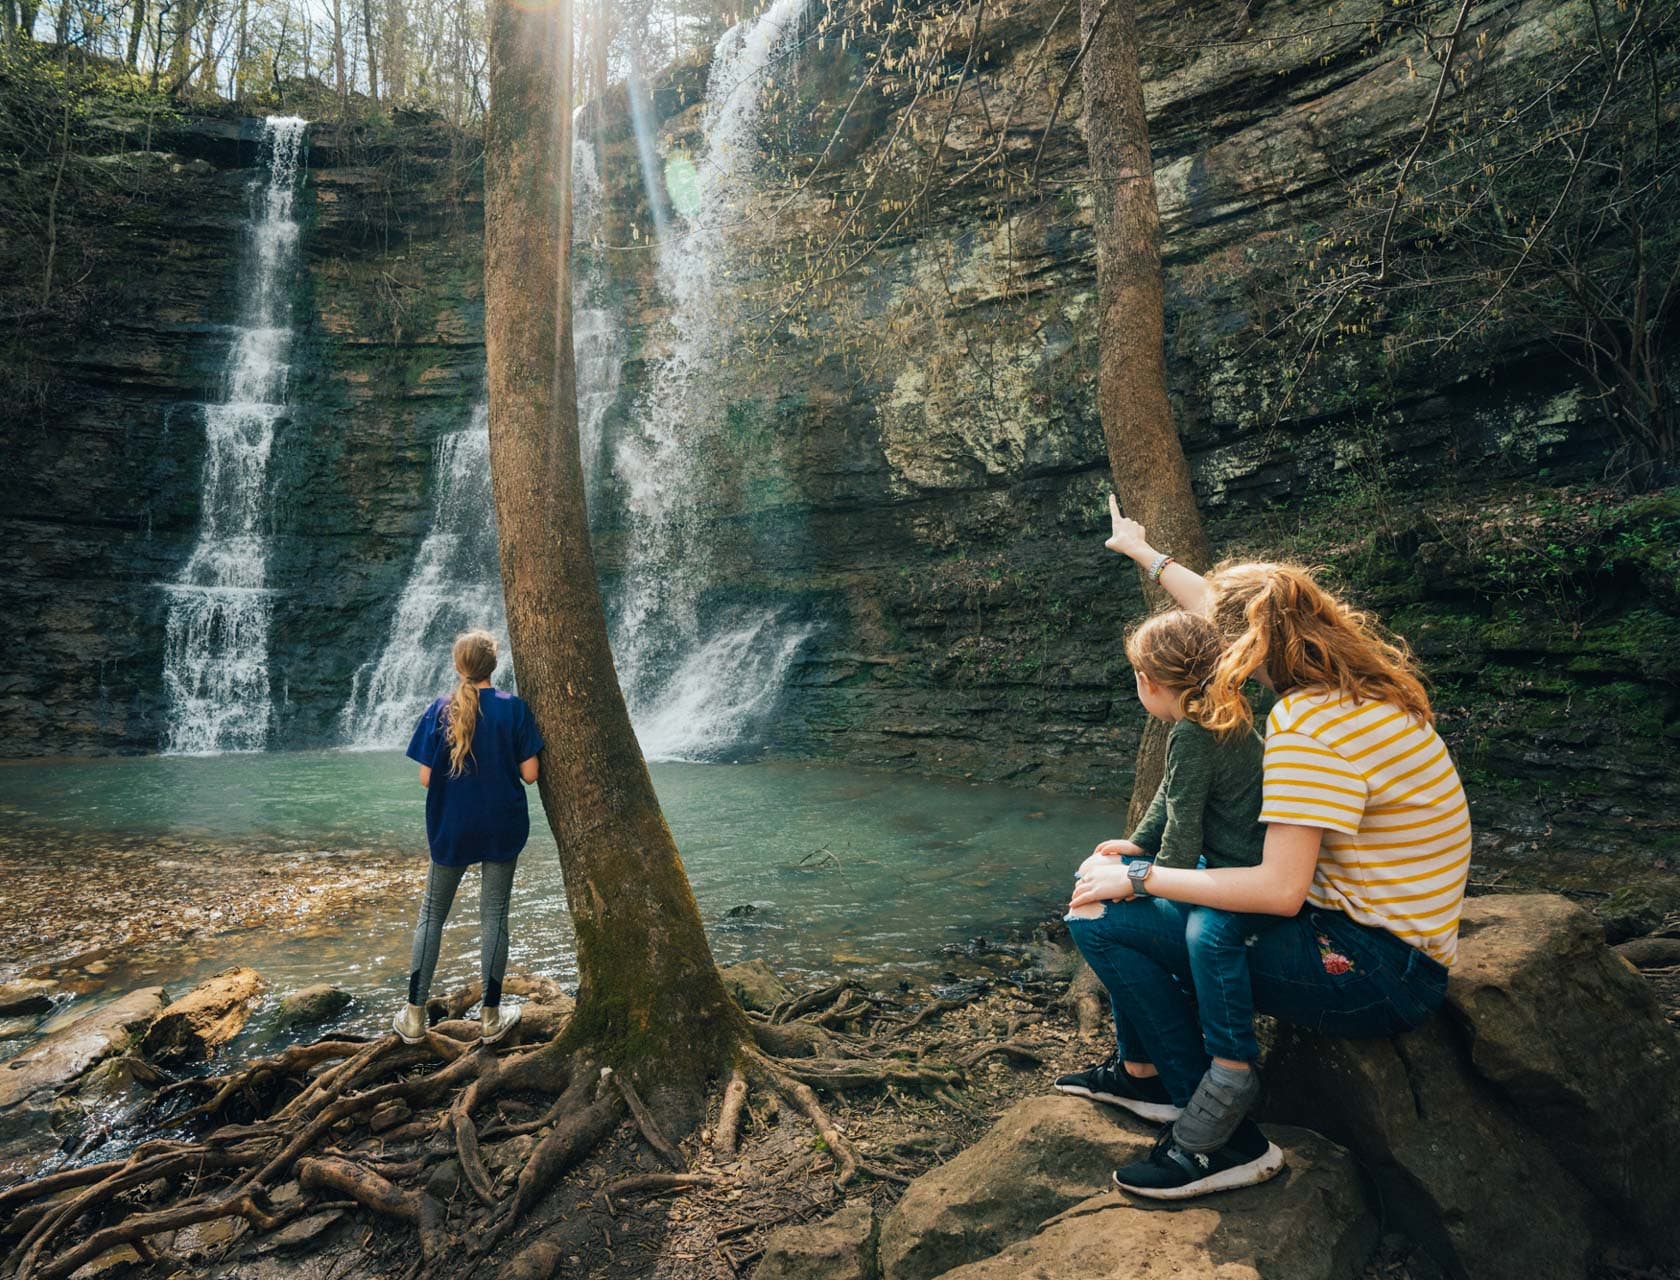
(479, 816)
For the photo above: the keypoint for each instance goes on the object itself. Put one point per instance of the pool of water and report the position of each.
(822, 871)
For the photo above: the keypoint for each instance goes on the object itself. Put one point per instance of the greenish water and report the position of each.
(846, 872)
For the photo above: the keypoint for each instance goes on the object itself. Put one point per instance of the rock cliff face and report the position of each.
(914, 458)
(916, 455)
(104, 469)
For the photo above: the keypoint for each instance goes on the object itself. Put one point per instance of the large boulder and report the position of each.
(1534, 1124)
(1042, 1156)
(207, 1017)
(1535, 991)
(1454, 1167)
(840, 1247)
(1311, 1222)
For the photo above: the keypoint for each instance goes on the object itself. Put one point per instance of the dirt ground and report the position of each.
(1000, 1010)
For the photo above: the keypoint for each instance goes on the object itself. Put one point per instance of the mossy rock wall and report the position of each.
(914, 460)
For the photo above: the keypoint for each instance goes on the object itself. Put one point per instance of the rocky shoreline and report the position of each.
(1509, 1135)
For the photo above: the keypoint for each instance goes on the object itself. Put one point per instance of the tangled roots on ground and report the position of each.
(347, 1123)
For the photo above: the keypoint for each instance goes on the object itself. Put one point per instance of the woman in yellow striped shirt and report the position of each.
(1366, 857)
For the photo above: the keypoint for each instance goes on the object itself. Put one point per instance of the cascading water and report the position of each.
(597, 335)
(454, 585)
(695, 685)
(456, 582)
(215, 674)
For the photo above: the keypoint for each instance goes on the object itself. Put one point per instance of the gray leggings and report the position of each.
(495, 887)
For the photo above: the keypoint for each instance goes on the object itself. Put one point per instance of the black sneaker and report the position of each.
(1109, 1082)
(1172, 1173)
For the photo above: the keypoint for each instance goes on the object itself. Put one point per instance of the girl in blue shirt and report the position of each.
(477, 751)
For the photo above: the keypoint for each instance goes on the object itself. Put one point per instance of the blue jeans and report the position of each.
(1320, 970)
(1217, 943)
(494, 891)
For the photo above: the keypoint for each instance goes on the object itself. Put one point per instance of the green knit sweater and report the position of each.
(1208, 803)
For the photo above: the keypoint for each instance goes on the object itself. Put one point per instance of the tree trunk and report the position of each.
(1151, 475)
(338, 52)
(136, 28)
(367, 36)
(180, 53)
(242, 50)
(207, 67)
(648, 990)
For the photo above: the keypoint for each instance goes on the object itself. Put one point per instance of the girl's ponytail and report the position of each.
(475, 659)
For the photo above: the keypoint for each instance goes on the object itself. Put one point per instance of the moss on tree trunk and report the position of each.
(649, 992)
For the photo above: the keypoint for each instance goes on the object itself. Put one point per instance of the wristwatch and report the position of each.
(1137, 873)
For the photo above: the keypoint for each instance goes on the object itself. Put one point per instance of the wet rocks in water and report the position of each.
(754, 985)
(207, 1017)
(312, 1006)
(30, 1082)
(538, 988)
(26, 997)
(840, 1247)
(68, 1052)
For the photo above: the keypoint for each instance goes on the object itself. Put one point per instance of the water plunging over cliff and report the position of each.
(455, 585)
(695, 684)
(216, 641)
(456, 579)
(597, 331)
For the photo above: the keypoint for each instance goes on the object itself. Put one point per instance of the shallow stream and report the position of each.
(124, 872)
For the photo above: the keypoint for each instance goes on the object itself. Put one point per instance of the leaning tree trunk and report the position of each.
(136, 28)
(1151, 476)
(648, 989)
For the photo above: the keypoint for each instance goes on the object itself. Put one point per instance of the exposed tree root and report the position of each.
(1014, 1048)
(645, 1122)
(656, 1182)
(374, 1192)
(727, 1136)
(1090, 1004)
(362, 1123)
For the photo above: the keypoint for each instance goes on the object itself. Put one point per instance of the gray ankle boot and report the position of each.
(1218, 1106)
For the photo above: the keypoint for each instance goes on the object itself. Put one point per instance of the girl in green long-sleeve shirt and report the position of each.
(1205, 813)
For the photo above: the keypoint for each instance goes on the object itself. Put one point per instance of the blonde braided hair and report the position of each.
(475, 659)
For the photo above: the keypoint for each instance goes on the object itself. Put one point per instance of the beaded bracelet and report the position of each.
(1159, 567)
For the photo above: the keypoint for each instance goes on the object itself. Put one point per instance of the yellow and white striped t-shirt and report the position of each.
(1396, 850)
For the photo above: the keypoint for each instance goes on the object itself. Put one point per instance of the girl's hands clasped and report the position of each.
(1101, 881)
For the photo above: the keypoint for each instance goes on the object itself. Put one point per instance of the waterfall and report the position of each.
(215, 676)
(455, 585)
(597, 334)
(695, 685)
(456, 582)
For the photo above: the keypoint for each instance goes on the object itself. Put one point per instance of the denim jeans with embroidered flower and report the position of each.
(1320, 970)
